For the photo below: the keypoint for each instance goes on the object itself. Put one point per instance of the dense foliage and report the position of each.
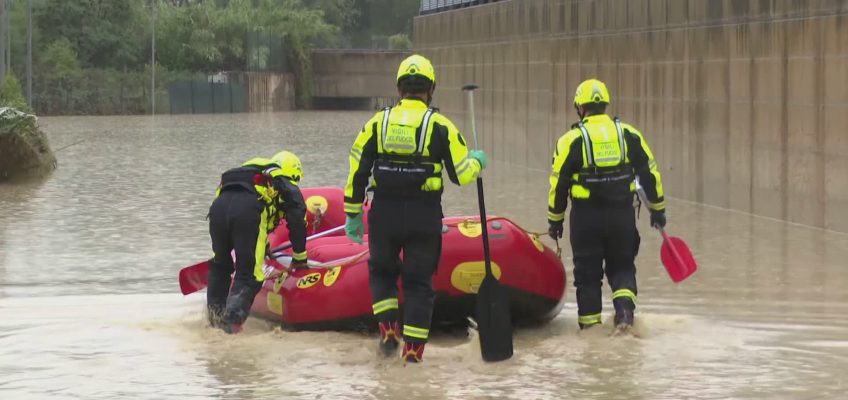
(10, 94)
(92, 53)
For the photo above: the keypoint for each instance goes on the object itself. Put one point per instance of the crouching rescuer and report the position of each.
(407, 146)
(595, 163)
(250, 202)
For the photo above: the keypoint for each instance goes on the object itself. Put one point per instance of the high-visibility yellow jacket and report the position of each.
(597, 160)
(282, 198)
(407, 147)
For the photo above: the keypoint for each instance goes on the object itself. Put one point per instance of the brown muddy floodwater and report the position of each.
(90, 307)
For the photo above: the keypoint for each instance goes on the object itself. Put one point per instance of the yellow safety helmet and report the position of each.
(289, 165)
(591, 91)
(416, 65)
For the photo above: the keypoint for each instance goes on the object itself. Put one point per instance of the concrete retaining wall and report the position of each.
(355, 73)
(745, 102)
(267, 91)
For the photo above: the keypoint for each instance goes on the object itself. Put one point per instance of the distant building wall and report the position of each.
(267, 91)
(360, 78)
(744, 102)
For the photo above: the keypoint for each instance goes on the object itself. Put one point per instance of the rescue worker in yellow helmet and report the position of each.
(408, 147)
(595, 163)
(250, 202)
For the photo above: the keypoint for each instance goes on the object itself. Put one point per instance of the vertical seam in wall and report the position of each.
(686, 123)
(784, 129)
(640, 108)
(527, 152)
(728, 122)
(504, 131)
(700, 132)
(819, 152)
(551, 98)
(752, 137)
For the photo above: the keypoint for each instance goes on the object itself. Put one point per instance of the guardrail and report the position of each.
(357, 51)
(434, 6)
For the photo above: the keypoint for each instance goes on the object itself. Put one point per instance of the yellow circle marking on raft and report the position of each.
(275, 303)
(470, 229)
(536, 242)
(331, 275)
(316, 204)
(466, 277)
(309, 280)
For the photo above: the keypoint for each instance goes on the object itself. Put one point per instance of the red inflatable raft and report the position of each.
(336, 295)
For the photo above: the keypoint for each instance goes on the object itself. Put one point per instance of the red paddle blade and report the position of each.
(194, 278)
(677, 258)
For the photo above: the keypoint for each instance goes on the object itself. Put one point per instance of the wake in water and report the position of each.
(159, 346)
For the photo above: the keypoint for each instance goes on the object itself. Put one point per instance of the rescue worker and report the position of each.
(595, 163)
(250, 201)
(408, 146)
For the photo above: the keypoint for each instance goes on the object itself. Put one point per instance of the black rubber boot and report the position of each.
(623, 313)
(413, 352)
(623, 319)
(215, 314)
(389, 338)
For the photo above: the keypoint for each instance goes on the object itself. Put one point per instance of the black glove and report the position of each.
(555, 229)
(658, 219)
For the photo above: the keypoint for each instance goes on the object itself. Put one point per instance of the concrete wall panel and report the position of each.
(743, 102)
(343, 73)
(836, 166)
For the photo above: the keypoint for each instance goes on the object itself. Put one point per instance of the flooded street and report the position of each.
(90, 306)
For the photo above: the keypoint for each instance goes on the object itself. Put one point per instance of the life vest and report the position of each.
(245, 178)
(606, 173)
(401, 169)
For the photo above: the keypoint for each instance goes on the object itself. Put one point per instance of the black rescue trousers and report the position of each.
(603, 239)
(414, 226)
(236, 221)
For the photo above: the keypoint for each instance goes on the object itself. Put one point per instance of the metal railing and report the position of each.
(434, 6)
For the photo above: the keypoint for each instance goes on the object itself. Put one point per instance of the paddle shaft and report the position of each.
(470, 90)
(308, 238)
(482, 203)
(493, 306)
(194, 277)
(671, 246)
(480, 199)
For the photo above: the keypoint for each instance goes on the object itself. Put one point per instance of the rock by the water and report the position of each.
(24, 151)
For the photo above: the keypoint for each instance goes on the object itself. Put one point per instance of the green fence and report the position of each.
(193, 97)
(105, 92)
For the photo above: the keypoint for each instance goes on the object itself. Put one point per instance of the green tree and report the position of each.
(212, 35)
(10, 93)
(380, 19)
(17, 28)
(60, 61)
(104, 33)
(93, 56)
(342, 14)
(187, 40)
(400, 42)
(59, 73)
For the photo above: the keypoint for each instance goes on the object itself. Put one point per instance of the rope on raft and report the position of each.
(357, 257)
(536, 235)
